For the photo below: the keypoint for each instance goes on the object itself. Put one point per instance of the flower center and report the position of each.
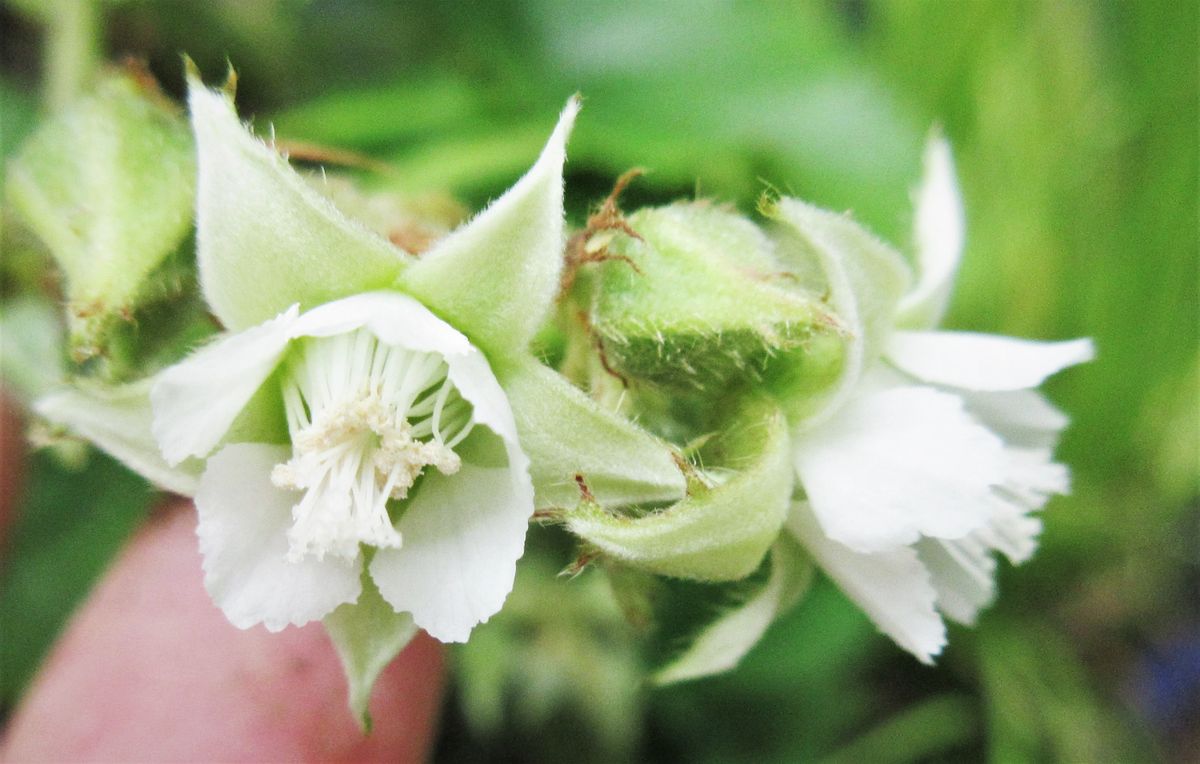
(365, 419)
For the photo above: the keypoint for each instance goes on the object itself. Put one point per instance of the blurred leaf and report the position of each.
(385, 115)
(920, 732)
(1040, 704)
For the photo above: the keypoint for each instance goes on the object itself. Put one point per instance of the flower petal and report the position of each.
(243, 527)
(265, 239)
(896, 465)
(463, 535)
(118, 420)
(891, 586)
(511, 249)
(1021, 417)
(986, 362)
(963, 573)
(939, 232)
(397, 319)
(196, 401)
(865, 279)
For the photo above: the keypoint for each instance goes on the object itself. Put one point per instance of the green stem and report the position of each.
(72, 49)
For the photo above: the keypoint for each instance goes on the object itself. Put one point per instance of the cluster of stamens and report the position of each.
(366, 419)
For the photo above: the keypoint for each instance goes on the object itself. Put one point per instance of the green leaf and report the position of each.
(925, 731)
(117, 419)
(723, 642)
(367, 635)
(1041, 706)
(495, 278)
(864, 278)
(565, 433)
(108, 185)
(265, 238)
(700, 301)
(715, 534)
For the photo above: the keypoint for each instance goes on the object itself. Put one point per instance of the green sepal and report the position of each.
(719, 644)
(495, 278)
(108, 184)
(266, 239)
(717, 534)
(117, 419)
(700, 301)
(565, 433)
(367, 635)
(864, 279)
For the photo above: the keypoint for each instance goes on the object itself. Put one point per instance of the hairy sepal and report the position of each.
(567, 434)
(719, 532)
(367, 635)
(700, 301)
(266, 239)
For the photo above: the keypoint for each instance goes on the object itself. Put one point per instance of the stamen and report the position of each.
(365, 419)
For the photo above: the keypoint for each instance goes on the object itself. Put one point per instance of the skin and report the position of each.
(12, 464)
(149, 670)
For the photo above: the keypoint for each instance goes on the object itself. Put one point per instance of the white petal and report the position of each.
(986, 362)
(463, 535)
(963, 573)
(512, 249)
(939, 232)
(394, 318)
(118, 420)
(243, 527)
(891, 586)
(397, 319)
(896, 465)
(1022, 417)
(195, 401)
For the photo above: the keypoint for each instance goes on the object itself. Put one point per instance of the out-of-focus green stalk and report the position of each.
(72, 49)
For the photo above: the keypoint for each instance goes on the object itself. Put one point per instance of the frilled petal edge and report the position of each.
(891, 586)
(243, 531)
(898, 464)
(463, 535)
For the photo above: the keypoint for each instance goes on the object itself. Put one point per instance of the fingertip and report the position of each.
(149, 669)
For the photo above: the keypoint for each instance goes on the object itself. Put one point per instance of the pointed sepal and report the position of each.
(864, 279)
(118, 420)
(716, 534)
(266, 239)
(721, 642)
(367, 635)
(565, 433)
(496, 277)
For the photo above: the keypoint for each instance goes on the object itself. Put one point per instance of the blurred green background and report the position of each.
(1075, 127)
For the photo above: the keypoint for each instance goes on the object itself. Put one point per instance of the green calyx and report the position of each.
(108, 185)
(700, 302)
(729, 519)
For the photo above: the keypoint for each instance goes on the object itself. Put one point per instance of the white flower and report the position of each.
(934, 449)
(401, 442)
